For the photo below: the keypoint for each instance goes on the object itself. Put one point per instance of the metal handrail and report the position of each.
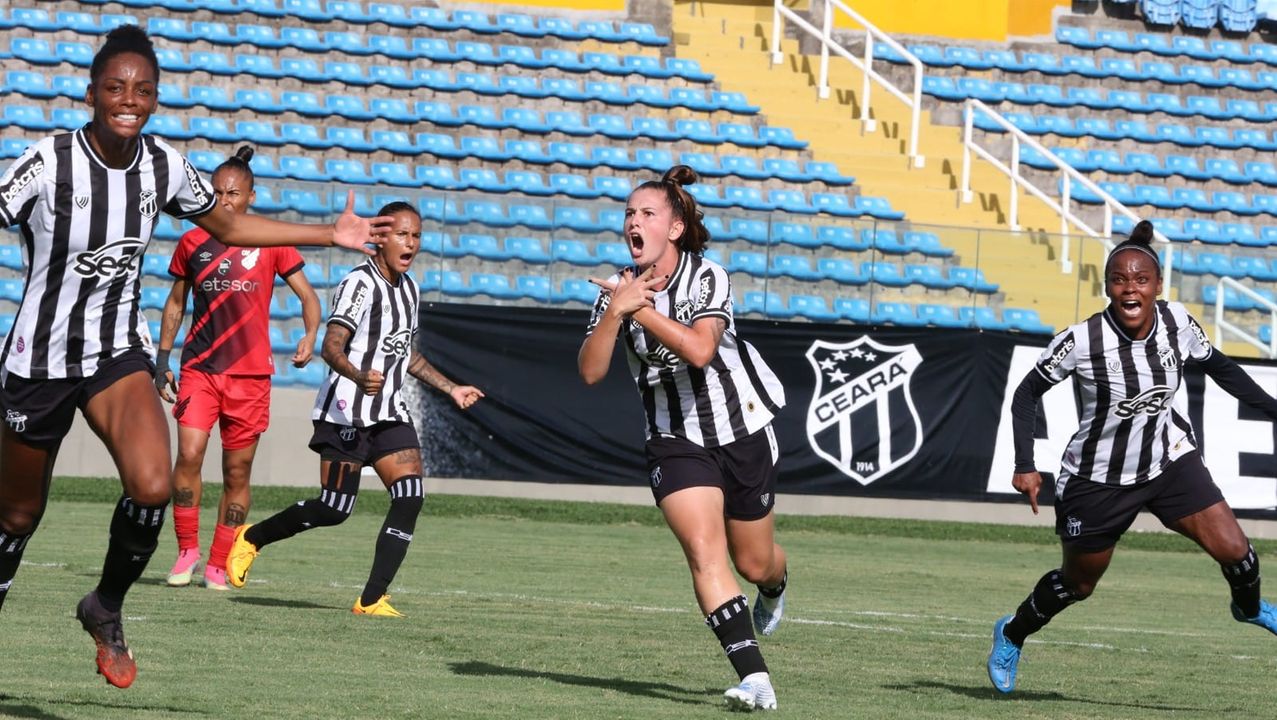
(828, 44)
(1068, 175)
(1222, 326)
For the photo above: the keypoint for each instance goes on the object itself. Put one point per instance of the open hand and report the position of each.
(356, 233)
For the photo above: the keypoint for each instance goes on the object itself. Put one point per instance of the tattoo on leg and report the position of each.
(236, 515)
(408, 455)
(184, 497)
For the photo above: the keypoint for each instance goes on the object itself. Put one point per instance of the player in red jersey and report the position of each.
(226, 366)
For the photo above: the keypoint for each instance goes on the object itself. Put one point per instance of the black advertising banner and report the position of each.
(887, 412)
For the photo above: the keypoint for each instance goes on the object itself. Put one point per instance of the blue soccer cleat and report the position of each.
(1004, 657)
(1266, 619)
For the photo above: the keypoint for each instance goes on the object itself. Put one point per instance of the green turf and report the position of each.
(523, 609)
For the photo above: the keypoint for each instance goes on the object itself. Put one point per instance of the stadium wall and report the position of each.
(993, 20)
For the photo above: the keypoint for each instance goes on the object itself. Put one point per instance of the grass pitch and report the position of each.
(534, 609)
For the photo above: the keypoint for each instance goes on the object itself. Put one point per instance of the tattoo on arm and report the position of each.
(421, 369)
(336, 340)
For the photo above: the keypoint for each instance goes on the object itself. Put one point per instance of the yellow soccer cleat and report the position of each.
(380, 608)
(240, 558)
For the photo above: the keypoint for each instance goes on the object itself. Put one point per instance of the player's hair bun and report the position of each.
(1141, 234)
(681, 175)
(244, 153)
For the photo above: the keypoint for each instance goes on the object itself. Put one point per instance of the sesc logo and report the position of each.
(397, 344)
(1149, 402)
(110, 260)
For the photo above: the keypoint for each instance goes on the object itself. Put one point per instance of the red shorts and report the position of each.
(239, 403)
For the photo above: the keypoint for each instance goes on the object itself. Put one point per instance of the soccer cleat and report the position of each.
(180, 575)
(754, 693)
(115, 660)
(381, 608)
(767, 612)
(1004, 657)
(1266, 619)
(215, 578)
(240, 558)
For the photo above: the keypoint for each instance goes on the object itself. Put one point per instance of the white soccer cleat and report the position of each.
(767, 613)
(754, 693)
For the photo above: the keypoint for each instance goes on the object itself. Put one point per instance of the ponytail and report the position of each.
(239, 161)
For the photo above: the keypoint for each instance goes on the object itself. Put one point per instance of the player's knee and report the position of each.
(190, 459)
(408, 494)
(151, 495)
(235, 477)
(331, 508)
(15, 521)
(1234, 551)
(756, 569)
(1080, 589)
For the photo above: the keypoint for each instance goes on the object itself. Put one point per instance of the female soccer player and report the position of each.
(86, 202)
(710, 400)
(360, 414)
(1133, 449)
(226, 366)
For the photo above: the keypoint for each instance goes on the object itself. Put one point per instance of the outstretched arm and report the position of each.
(463, 395)
(1236, 382)
(349, 231)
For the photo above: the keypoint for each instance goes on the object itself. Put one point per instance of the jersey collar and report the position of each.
(82, 135)
(1121, 333)
(377, 271)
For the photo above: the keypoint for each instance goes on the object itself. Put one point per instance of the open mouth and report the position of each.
(127, 118)
(636, 244)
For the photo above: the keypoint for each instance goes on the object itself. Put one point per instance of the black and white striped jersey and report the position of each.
(734, 396)
(84, 228)
(382, 317)
(1129, 428)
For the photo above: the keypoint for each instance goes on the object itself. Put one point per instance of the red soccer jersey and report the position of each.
(230, 328)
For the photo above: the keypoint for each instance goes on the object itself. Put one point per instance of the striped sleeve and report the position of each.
(600, 306)
(351, 300)
(711, 295)
(190, 194)
(20, 185)
(1059, 359)
(1193, 343)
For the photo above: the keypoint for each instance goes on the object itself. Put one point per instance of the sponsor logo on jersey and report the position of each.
(248, 258)
(110, 260)
(16, 420)
(224, 266)
(1150, 402)
(81, 201)
(24, 177)
(1114, 365)
(1198, 333)
(205, 256)
(214, 284)
(397, 344)
(354, 305)
(22, 345)
(146, 204)
(198, 192)
(1166, 356)
(683, 310)
(862, 418)
(1059, 356)
(341, 405)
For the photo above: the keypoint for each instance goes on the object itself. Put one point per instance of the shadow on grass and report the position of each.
(654, 690)
(279, 603)
(32, 708)
(985, 692)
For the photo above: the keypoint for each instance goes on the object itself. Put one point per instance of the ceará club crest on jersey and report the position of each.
(862, 418)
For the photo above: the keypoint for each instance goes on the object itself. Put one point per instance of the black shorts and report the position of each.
(744, 470)
(1092, 516)
(40, 412)
(362, 446)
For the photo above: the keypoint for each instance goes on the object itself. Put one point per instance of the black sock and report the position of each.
(328, 509)
(735, 631)
(778, 590)
(1048, 599)
(406, 498)
(1243, 578)
(135, 531)
(11, 548)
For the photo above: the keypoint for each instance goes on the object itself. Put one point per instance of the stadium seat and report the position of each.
(895, 313)
(972, 279)
(1025, 320)
(939, 316)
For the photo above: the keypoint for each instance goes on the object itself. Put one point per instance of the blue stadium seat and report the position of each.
(799, 234)
(841, 270)
(795, 266)
(929, 276)
(895, 313)
(812, 307)
(574, 290)
(972, 279)
(530, 216)
(939, 316)
(1025, 320)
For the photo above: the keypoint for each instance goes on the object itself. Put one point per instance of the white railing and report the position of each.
(1068, 176)
(828, 43)
(1223, 327)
